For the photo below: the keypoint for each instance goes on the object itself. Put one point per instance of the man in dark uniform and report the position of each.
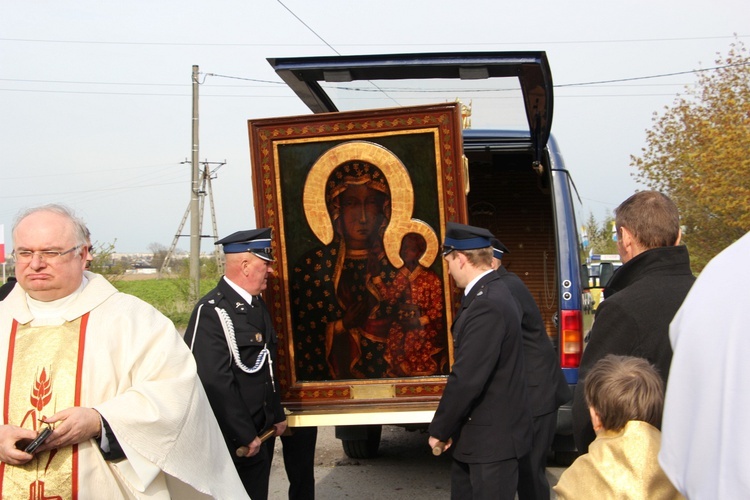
(484, 412)
(546, 387)
(234, 344)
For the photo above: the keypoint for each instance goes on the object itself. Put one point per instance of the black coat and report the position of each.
(484, 407)
(6, 288)
(641, 300)
(547, 387)
(244, 404)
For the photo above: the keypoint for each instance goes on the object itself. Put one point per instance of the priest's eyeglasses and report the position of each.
(45, 255)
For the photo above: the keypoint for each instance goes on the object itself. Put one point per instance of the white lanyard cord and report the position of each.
(265, 354)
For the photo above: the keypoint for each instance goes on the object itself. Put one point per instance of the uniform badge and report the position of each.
(259, 337)
(237, 305)
(212, 301)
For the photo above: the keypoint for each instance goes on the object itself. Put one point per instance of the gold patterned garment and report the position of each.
(619, 465)
(414, 339)
(43, 377)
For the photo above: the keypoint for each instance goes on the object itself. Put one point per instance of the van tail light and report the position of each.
(571, 339)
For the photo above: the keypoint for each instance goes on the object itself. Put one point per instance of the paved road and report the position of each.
(404, 469)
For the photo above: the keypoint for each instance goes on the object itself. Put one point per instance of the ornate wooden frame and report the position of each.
(420, 151)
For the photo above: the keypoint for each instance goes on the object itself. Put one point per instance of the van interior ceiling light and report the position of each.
(473, 73)
(337, 76)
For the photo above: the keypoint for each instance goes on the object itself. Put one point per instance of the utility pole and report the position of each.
(207, 176)
(195, 223)
(206, 188)
(200, 184)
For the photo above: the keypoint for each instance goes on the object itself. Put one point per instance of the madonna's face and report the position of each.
(361, 212)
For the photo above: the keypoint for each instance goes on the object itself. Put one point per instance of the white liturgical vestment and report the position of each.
(705, 434)
(132, 366)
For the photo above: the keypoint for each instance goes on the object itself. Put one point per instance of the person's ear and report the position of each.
(679, 237)
(626, 237)
(82, 254)
(628, 244)
(461, 259)
(245, 266)
(596, 421)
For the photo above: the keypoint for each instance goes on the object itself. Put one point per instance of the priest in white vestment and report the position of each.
(705, 435)
(106, 371)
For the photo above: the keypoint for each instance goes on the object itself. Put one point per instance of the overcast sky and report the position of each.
(96, 97)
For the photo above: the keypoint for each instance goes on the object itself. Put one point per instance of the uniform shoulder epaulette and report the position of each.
(213, 298)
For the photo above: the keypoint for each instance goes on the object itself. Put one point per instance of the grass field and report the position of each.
(170, 296)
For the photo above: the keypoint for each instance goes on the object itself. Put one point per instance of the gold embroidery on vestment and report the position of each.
(42, 379)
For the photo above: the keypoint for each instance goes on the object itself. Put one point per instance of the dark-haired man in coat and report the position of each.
(642, 297)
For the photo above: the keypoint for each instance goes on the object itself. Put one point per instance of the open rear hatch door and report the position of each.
(505, 90)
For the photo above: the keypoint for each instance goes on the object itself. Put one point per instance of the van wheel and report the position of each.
(364, 448)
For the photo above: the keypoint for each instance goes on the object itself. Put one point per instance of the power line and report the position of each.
(245, 79)
(133, 182)
(94, 191)
(42, 91)
(144, 94)
(167, 44)
(308, 27)
(381, 90)
(107, 171)
(351, 88)
(663, 75)
(375, 44)
(78, 82)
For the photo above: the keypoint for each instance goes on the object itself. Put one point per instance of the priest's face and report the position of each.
(44, 275)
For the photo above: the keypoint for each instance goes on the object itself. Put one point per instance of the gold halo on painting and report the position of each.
(402, 198)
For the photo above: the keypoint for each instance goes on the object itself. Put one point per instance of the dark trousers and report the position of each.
(299, 462)
(491, 481)
(255, 471)
(532, 477)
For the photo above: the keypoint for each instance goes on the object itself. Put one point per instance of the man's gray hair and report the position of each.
(81, 233)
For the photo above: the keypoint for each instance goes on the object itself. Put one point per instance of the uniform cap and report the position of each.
(465, 237)
(498, 249)
(255, 241)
